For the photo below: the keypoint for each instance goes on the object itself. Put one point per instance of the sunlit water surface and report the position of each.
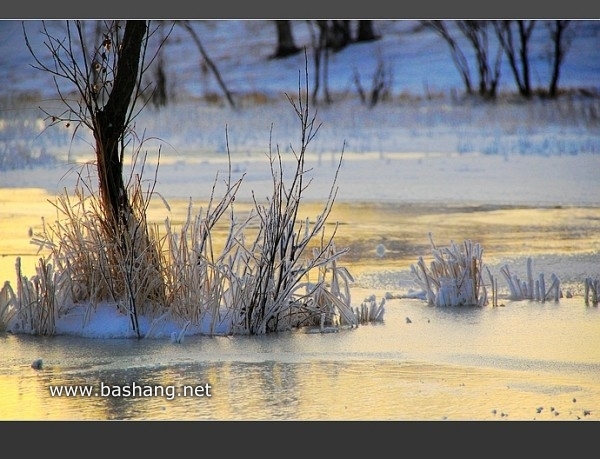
(523, 360)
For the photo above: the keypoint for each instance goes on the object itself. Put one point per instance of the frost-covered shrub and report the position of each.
(592, 288)
(455, 276)
(531, 289)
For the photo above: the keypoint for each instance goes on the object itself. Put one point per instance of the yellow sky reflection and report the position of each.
(401, 228)
(21, 212)
(26, 397)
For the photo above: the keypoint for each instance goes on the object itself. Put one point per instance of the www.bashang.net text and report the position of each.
(132, 390)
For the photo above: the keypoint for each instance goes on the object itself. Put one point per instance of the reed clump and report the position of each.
(531, 289)
(455, 276)
(591, 290)
(8, 305)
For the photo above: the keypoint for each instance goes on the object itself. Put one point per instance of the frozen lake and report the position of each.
(485, 363)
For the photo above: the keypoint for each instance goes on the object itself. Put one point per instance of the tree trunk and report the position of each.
(111, 121)
(159, 95)
(505, 36)
(525, 30)
(285, 40)
(557, 33)
(209, 62)
(365, 31)
(476, 33)
(336, 33)
(111, 124)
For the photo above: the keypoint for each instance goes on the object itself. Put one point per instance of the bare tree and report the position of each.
(560, 45)
(107, 81)
(476, 33)
(160, 95)
(321, 51)
(187, 26)
(381, 84)
(108, 84)
(517, 53)
(459, 58)
(286, 46)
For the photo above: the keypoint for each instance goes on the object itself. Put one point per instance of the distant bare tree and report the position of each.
(336, 34)
(365, 31)
(160, 95)
(458, 57)
(381, 84)
(489, 74)
(286, 46)
(517, 53)
(476, 33)
(321, 51)
(187, 26)
(560, 44)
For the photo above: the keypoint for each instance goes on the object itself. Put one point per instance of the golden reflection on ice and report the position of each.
(397, 387)
(400, 229)
(320, 390)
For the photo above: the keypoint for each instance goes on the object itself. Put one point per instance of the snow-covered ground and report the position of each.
(427, 143)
